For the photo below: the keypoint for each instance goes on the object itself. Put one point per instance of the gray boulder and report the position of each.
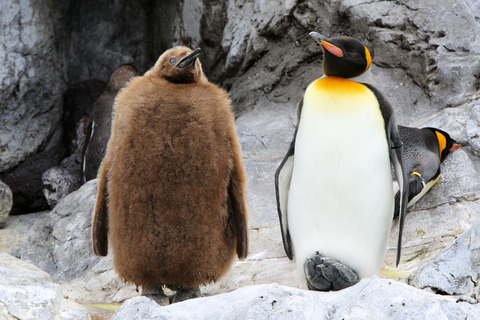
(372, 298)
(456, 271)
(14, 231)
(60, 244)
(26, 292)
(6, 201)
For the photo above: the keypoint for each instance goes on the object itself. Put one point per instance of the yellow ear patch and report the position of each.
(442, 142)
(368, 57)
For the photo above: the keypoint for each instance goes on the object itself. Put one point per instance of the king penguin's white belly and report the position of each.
(340, 200)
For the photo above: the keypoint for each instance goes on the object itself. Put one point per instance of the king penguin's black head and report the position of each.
(445, 143)
(344, 57)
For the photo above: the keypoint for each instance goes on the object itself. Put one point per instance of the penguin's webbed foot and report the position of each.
(157, 295)
(326, 274)
(183, 294)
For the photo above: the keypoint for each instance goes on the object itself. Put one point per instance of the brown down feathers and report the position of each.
(172, 186)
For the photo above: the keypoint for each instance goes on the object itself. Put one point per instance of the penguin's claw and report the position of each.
(326, 274)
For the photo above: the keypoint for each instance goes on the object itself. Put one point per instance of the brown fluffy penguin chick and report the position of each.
(172, 185)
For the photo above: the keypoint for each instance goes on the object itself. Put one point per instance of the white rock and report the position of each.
(456, 271)
(27, 292)
(372, 298)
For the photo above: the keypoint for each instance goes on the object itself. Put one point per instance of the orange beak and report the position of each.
(333, 49)
(326, 45)
(455, 147)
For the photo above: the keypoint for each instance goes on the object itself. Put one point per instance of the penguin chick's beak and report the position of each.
(189, 59)
(326, 44)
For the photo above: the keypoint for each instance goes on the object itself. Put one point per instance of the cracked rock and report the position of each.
(455, 271)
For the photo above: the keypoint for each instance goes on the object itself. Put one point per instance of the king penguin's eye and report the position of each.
(172, 60)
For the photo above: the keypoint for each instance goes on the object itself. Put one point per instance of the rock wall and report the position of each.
(31, 78)
(259, 51)
(250, 48)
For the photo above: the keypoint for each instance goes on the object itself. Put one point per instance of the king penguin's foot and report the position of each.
(326, 274)
(183, 294)
(156, 294)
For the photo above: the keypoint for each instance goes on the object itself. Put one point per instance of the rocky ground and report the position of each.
(426, 60)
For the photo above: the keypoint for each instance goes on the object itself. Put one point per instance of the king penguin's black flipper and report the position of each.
(283, 176)
(396, 157)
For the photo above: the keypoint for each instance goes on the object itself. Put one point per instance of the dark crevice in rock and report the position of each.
(439, 291)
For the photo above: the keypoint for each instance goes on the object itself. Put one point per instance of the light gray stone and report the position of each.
(60, 243)
(6, 201)
(15, 229)
(26, 292)
(456, 271)
(372, 298)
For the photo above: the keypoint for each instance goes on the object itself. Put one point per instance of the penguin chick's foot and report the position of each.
(157, 295)
(326, 274)
(183, 294)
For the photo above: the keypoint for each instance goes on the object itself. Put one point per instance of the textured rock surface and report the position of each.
(455, 271)
(26, 292)
(372, 298)
(15, 229)
(60, 243)
(6, 201)
(31, 79)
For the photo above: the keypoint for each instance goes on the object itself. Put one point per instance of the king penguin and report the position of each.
(424, 150)
(334, 187)
(171, 198)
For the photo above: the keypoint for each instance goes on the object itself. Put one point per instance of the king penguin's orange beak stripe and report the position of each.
(455, 147)
(336, 51)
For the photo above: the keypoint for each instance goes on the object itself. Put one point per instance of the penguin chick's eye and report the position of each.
(172, 60)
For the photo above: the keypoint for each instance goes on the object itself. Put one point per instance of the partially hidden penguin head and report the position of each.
(120, 77)
(344, 57)
(179, 65)
(445, 143)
